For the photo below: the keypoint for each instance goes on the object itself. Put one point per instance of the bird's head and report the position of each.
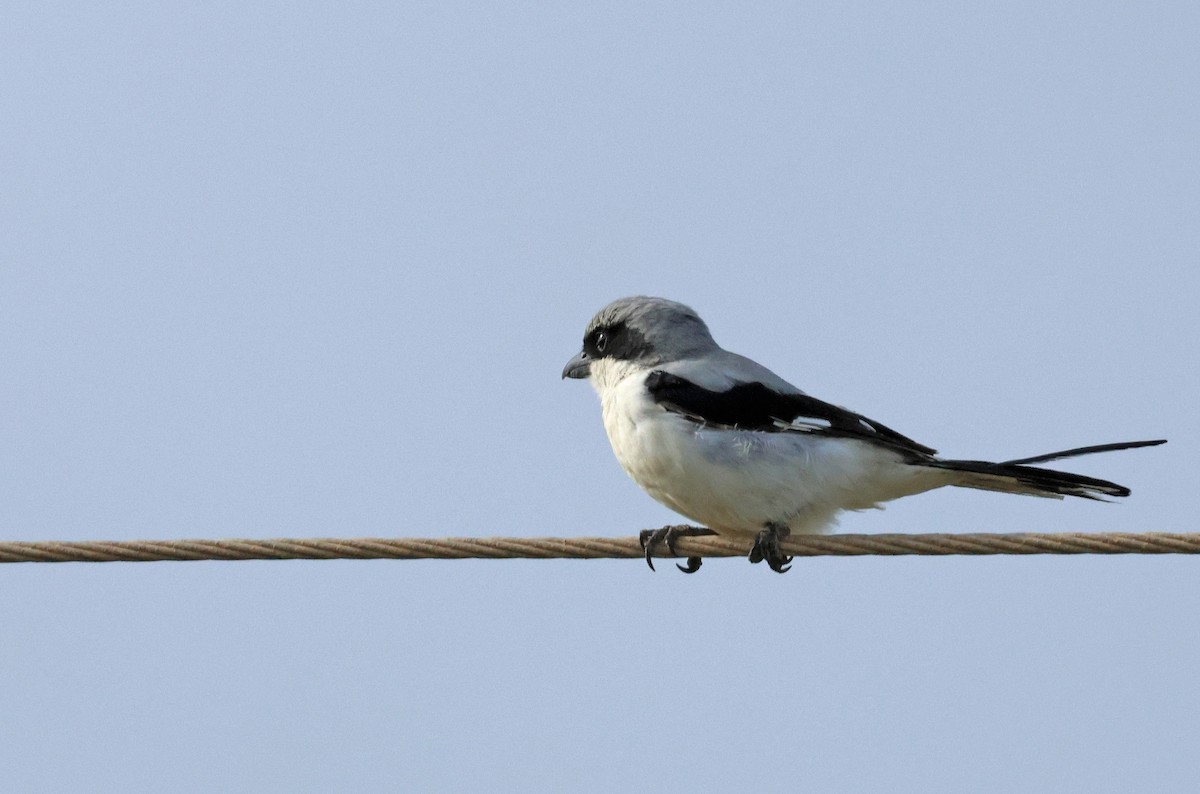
(636, 334)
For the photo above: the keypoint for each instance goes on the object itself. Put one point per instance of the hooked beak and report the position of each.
(578, 367)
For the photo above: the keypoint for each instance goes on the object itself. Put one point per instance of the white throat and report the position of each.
(607, 374)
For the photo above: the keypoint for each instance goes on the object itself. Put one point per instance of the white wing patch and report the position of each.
(804, 424)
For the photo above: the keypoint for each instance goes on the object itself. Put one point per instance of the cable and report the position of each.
(591, 548)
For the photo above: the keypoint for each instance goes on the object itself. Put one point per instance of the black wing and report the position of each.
(754, 406)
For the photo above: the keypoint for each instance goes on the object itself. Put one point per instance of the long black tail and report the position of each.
(1017, 476)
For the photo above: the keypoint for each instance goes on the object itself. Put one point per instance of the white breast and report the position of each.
(736, 481)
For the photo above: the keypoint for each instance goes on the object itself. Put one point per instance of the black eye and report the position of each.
(601, 341)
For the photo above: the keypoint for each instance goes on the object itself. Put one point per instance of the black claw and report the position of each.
(766, 547)
(651, 539)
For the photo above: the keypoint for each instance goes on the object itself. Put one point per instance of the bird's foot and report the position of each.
(766, 547)
(652, 539)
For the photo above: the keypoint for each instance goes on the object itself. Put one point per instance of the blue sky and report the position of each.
(310, 270)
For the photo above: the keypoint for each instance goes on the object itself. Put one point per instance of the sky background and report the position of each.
(293, 269)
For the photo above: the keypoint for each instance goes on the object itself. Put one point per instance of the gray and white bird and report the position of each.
(726, 442)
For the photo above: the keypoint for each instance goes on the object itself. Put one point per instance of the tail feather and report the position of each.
(1016, 476)
(1078, 451)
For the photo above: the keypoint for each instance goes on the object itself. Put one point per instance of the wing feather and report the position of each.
(758, 407)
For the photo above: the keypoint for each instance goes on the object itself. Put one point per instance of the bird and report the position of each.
(724, 441)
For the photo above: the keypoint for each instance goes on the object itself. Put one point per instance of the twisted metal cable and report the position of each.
(591, 548)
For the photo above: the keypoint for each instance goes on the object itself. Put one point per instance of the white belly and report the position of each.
(737, 481)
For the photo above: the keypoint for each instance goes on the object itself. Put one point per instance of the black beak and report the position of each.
(578, 367)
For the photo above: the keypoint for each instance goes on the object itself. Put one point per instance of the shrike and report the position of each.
(730, 444)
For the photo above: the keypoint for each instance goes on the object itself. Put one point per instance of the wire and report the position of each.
(591, 548)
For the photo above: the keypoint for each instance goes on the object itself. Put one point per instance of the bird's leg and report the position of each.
(651, 539)
(766, 547)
